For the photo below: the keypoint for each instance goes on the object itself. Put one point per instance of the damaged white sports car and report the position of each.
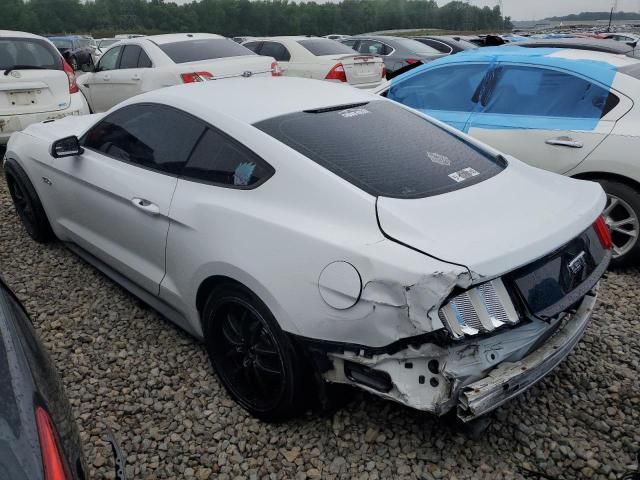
(311, 233)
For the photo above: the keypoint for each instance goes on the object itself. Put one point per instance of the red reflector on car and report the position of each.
(196, 77)
(603, 232)
(52, 460)
(275, 70)
(412, 61)
(71, 76)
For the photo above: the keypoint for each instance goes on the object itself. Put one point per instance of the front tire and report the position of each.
(255, 360)
(27, 203)
(622, 215)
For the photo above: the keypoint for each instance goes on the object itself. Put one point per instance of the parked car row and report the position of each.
(447, 274)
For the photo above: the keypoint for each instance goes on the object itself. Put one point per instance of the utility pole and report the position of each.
(613, 7)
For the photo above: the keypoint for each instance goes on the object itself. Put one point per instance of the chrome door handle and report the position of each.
(135, 77)
(146, 206)
(564, 142)
(106, 78)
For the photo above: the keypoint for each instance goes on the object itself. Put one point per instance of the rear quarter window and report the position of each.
(203, 49)
(384, 149)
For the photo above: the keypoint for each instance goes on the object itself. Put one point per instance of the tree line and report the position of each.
(593, 16)
(243, 17)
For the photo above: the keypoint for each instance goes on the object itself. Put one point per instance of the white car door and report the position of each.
(127, 79)
(114, 199)
(96, 86)
(549, 118)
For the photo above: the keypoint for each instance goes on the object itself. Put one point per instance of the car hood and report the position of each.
(497, 225)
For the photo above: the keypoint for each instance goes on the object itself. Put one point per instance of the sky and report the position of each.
(537, 9)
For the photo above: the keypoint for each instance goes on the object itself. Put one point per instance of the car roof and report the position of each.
(609, 45)
(17, 34)
(287, 37)
(251, 100)
(599, 66)
(176, 37)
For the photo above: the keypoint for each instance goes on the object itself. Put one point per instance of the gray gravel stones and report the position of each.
(127, 368)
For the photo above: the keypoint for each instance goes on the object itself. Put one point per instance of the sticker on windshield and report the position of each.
(439, 158)
(354, 112)
(462, 175)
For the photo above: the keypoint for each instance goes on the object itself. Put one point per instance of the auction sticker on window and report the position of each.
(462, 175)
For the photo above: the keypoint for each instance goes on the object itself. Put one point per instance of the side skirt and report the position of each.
(153, 301)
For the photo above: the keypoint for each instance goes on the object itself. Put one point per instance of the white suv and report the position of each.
(36, 83)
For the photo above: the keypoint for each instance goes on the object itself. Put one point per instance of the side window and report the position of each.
(150, 136)
(110, 59)
(349, 43)
(143, 60)
(532, 91)
(220, 160)
(129, 58)
(253, 46)
(275, 50)
(451, 88)
(441, 47)
(373, 47)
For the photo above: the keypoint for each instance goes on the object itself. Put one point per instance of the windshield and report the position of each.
(107, 43)
(384, 149)
(32, 52)
(62, 43)
(417, 47)
(325, 46)
(203, 49)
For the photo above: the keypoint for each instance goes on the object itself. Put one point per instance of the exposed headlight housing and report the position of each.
(479, 310)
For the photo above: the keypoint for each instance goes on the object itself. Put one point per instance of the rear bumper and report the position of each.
(512, 378)
(14, 123)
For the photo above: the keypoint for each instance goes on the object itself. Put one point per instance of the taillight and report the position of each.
(384, 71)
(604, 235)
(194, 77)
(52, 461)
(337, 73)
(71, 75)
(275, 70)
(412, 61)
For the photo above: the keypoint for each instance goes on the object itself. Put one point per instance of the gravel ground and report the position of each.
(126, 367)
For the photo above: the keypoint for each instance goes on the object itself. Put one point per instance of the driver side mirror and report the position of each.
(66, 147)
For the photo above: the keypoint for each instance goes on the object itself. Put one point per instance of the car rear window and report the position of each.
(325, 46)
(203, 49)
(31, 52)
(416, 47)
(384, 149)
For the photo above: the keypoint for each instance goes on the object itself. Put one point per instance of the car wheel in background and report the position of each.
(622, 214)
(27, 204)
(255, 360)
(73, 61)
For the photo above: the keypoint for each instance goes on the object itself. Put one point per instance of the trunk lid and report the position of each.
(230, 66)
(33, 91)
(499, 224)
(359, 69)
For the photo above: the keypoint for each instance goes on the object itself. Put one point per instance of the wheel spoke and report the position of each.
(626, 221)
(629, 233)
(614, 201)
(262, 367)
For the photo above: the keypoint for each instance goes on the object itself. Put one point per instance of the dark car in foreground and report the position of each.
(75, 49)
(399, 54)
(38, 435)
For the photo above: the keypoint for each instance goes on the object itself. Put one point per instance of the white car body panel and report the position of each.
(105, 89)
(279, 238)
(362, 71)
(31, 96)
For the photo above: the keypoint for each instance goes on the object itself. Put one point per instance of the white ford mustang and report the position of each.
(309, 231)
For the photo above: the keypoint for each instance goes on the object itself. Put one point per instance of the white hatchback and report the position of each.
(321, 59)
(36, 84)
(141, 64)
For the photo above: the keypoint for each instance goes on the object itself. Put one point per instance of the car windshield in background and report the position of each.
(62, 43)
(107, 43)
(203, 49)
(384, 149)
(84, 43)
(325, 46)
(417, 47)
(30, 52)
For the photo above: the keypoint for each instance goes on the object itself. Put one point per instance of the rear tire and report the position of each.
(622, 214)
(255, 360)
(27, 203)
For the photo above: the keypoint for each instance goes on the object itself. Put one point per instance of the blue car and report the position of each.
(568, 111)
